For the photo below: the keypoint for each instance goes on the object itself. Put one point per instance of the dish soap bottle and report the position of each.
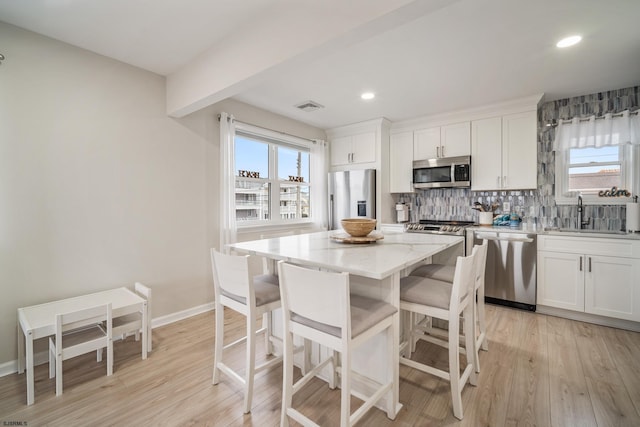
(514, 219)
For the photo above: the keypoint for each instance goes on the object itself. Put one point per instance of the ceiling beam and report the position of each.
(291, 33)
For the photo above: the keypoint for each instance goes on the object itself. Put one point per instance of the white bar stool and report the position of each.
(317, 306)
(252, 297)
(446, 273)
(446, 301)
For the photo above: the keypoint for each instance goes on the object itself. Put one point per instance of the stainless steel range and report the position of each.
(456, 228)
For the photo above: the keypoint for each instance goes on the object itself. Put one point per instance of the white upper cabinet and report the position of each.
(455, 140)
(519, 151)
(401, 163)
(426, 144)
(353, 149)
(504, 152)
(442, 141)
(486, 153)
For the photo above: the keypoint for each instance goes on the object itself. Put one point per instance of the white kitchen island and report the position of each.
(375, 270)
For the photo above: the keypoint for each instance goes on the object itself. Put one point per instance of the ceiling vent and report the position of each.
(309, 106)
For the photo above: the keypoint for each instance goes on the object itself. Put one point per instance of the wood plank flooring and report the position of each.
(539, 371)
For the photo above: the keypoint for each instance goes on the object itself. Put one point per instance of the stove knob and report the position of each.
(445, 228)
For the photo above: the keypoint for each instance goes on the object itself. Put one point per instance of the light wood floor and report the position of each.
(539, 370)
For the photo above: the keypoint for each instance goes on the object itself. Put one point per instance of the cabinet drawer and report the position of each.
(590, 246)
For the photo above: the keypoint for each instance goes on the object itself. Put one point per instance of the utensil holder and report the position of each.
(485, 218)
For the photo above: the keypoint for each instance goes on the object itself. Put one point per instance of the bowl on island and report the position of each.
(358, 227)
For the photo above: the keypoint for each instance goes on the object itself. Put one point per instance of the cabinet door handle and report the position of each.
(504, 181)
(438, 151)
(498, 182)
(589, 264)
(443, 151)
(580, 263)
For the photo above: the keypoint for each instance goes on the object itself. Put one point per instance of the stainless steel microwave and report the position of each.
(442, 173)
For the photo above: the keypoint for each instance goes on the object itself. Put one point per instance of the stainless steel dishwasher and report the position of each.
(510, 277)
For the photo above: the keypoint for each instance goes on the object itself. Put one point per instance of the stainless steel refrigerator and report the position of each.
(352, 194)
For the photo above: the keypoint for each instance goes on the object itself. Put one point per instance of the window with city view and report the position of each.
(272, 180)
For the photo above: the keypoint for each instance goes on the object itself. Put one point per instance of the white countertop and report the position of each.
(560, 232)
(374, 260)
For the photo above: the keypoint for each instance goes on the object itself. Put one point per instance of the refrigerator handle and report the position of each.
(331, 212)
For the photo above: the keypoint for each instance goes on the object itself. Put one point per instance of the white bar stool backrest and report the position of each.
(308, 293)
(234, 277)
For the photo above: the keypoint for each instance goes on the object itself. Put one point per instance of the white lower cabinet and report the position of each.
(612, 286)
(561, 280)
(591, 275)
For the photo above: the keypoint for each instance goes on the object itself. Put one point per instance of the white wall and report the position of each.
(98, 187)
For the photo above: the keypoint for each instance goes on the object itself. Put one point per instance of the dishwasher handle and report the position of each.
(481, 236)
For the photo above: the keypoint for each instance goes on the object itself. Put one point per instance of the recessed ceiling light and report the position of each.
(368, 95)
(569, 41)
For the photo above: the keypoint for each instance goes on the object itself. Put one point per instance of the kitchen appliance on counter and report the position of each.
(510, 275)
(442, 173)
(402, 213)
(352, 194)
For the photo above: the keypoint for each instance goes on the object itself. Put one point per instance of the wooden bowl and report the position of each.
(358, 227)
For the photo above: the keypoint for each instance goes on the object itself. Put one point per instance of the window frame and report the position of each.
(629, 167)
(274, 140)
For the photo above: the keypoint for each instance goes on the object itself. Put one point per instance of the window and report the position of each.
(596, 161)
(591, 170)
(272, 179)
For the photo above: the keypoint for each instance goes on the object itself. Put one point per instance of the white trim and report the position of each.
(181, 315)
(360, 127)
(11, 367)
(589, 318)
(513, 106)
(258, 131)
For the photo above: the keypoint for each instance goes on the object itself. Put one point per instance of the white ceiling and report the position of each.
(455, 54)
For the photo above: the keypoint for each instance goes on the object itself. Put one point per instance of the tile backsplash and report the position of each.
(535, 206)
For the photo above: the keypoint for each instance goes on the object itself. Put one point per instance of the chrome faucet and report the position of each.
(581, 221)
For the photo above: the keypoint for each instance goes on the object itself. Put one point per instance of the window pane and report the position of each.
(252, 201)
(594, 178)
(594, 155)
(252, 156)
(294, 201)
(292, 162)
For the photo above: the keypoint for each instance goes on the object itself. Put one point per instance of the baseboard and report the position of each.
(10, 367)
(589, 318)
(181, 315)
